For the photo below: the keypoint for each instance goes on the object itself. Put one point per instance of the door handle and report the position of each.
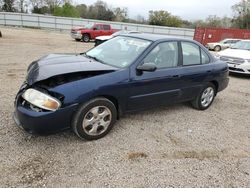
(209, 71)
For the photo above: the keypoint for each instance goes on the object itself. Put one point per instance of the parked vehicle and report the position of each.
(91, 31)
(101, 39)
(237, 57)
(88, 92)
(210, 35)
(221, 45)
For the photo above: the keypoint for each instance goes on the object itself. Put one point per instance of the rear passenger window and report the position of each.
(191, 53)
(106, 27)
(204, 57)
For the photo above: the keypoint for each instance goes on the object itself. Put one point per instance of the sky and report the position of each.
(186, 9)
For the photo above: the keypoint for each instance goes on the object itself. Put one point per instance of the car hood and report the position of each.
(59, 64)
(244, 54)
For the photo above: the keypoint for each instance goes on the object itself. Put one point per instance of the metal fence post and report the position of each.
(55, 23)
(21, 20)
(4, 16)
(38, 19)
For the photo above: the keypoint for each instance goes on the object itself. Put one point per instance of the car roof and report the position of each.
(154, 37)
(247, 40)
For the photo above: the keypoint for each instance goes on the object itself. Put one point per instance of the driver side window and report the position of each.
(164, 55)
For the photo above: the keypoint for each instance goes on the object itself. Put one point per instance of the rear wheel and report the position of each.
(205, 98)
(78, 40)
(85, 38)
(217, 48)
(94, 119)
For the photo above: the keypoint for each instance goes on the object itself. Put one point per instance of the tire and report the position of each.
(202, 103)
(85, 38)
(94, 119)
(78, 40)
(217, 48)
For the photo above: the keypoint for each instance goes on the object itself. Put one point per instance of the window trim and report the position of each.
(181, 54)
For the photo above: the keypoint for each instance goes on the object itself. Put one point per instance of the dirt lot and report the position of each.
(173, 146)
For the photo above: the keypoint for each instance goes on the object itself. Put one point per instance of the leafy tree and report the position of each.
(67, 10)
(120, 14)
(164, 18)
(100, 11)
(82, 10)
(8, 5)
(242, 14)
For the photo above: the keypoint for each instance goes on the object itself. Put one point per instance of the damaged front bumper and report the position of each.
(43, 122)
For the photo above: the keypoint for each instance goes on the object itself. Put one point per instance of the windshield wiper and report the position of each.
(93, 57)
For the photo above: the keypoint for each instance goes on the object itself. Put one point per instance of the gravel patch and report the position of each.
(173, 146)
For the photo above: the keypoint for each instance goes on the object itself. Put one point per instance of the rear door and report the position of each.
(196, 70)
(161, 86)
(106, 29)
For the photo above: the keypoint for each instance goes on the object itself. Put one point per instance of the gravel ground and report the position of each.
(174, 146)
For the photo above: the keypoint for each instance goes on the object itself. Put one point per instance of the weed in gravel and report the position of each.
(136, 155)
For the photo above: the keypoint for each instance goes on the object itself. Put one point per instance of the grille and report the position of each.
(232, 60)
(236, 69)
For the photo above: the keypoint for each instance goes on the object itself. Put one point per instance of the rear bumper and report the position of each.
(43, 122)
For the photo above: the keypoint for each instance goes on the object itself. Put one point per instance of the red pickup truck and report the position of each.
(91, 31)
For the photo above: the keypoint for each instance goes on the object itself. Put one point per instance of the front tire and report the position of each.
(205, 97)
(94, 119)
(85, 38)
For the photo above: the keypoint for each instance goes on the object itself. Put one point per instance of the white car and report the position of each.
(237, 57)
(221, 45)
(101, 39)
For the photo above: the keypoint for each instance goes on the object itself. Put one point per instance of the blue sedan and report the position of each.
(88, 92)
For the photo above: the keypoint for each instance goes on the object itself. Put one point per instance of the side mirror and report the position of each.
(94, 28)
(149, 67)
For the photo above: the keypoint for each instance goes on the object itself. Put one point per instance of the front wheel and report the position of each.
(205, 98)
(94, 119)
(217, 48)
(85, 38)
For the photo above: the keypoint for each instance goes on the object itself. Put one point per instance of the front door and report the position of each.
(161, 86)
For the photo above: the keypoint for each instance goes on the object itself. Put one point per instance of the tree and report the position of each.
(100, 11)
(67, 10)
(82, 10)
(120, 14)
(8, 5)
(164, 18)
(242, 14)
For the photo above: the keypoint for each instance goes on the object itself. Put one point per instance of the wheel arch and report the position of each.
(114, 100)
(216, 84)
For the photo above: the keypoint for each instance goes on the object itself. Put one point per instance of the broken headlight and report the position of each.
(41, 100)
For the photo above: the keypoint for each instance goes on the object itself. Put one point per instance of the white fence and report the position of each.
(65, 23)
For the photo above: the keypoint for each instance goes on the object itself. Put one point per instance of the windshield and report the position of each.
(120, 51)
(223, 41)
(243, 45)
(88, 26)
